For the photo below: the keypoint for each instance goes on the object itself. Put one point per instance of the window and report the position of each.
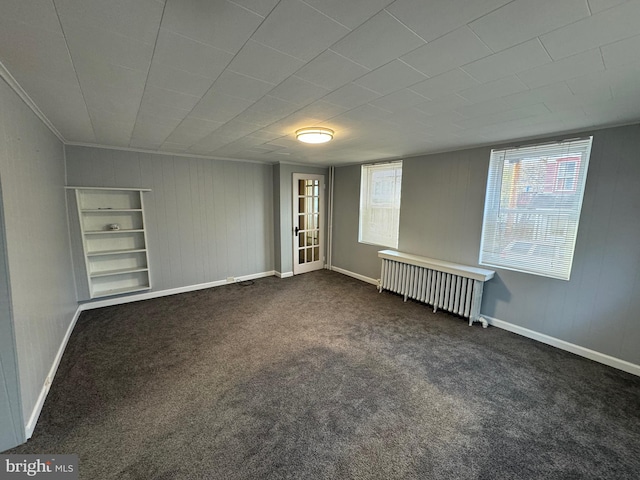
(532, 207)
(380, 204)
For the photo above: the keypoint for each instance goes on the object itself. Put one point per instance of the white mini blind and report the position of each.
(380, 186)
(532, 207)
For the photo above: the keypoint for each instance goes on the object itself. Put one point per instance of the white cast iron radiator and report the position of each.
(449, 286)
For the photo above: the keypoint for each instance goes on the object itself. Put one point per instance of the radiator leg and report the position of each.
(480, 319)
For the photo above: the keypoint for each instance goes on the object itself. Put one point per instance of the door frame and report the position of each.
(297, 268)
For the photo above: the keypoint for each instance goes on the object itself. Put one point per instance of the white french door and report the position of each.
(308, 222)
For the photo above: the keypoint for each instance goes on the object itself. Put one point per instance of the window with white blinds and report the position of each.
(532, 207)
(380, 204)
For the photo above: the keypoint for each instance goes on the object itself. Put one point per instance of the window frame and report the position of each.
(529, 224)
(368, 190)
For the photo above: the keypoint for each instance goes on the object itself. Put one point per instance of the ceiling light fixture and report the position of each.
(314, 135)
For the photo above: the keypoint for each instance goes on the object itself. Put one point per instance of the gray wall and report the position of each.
(11, 423)
(285, 237)
(206, 219)
(37, 242)
(441, 217)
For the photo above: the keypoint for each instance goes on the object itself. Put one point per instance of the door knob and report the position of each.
(296, 230)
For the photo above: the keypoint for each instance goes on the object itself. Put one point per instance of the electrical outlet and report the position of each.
(231, 280)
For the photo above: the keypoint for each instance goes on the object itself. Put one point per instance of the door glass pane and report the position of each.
(302, 205)
(302, 224)
(316, 253)
(301, 256)
(309, 255)
(314, 236)
(301, 184)
(301, 239)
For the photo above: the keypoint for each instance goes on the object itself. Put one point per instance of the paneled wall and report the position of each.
(37, 243)
(207, 219)
(441, 217)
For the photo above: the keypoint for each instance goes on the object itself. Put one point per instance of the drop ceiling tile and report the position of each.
(38, 14)
(308, 32)
(138, 20)
(497, 88)
(445, 84)
(507, 62)
(29, 51)
(261, 7)
(217, 107)
(149, 130)
(153, 109)
(448, 52)
(268, 110)
(599, 5)
(442, 104)
(391, 77)
(221, 24)
(615, 79)
(322, 110)
(522, 20)
(122, 103)
(606, 27)
(264, 63)
(570, 67)
(488, 107)
(581, 100)
(547, 93)
(63, 104)
(95, 75)
(378, 41)
(145, 118)
(503, 117)
(240, 86)
(235, 129)
(192, 130)
(296, 90)
(164, 76)
(624, 52)
(351, 96)
(104, 46)
(190, 123)
(194, 57)
(352, 13)
(330, 70)
(170, 98)
(187, 136)
(434, 18)
(110, 131)
(398, 101)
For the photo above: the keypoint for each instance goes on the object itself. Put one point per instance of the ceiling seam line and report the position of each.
(75, 71)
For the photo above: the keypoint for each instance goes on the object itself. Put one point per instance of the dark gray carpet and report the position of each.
(321, 377)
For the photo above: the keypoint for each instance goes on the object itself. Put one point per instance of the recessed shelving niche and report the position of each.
(111, 225)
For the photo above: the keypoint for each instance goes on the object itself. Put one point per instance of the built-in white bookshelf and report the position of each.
(111, 225)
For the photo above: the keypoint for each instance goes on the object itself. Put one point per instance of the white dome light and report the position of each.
(314, 135)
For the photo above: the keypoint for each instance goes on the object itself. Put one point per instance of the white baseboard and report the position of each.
(569, 347)
(171, 291)
(37, 409)
(283, 275)
(370, 280)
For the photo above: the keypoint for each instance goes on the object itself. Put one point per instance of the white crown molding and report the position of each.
(15, 86)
